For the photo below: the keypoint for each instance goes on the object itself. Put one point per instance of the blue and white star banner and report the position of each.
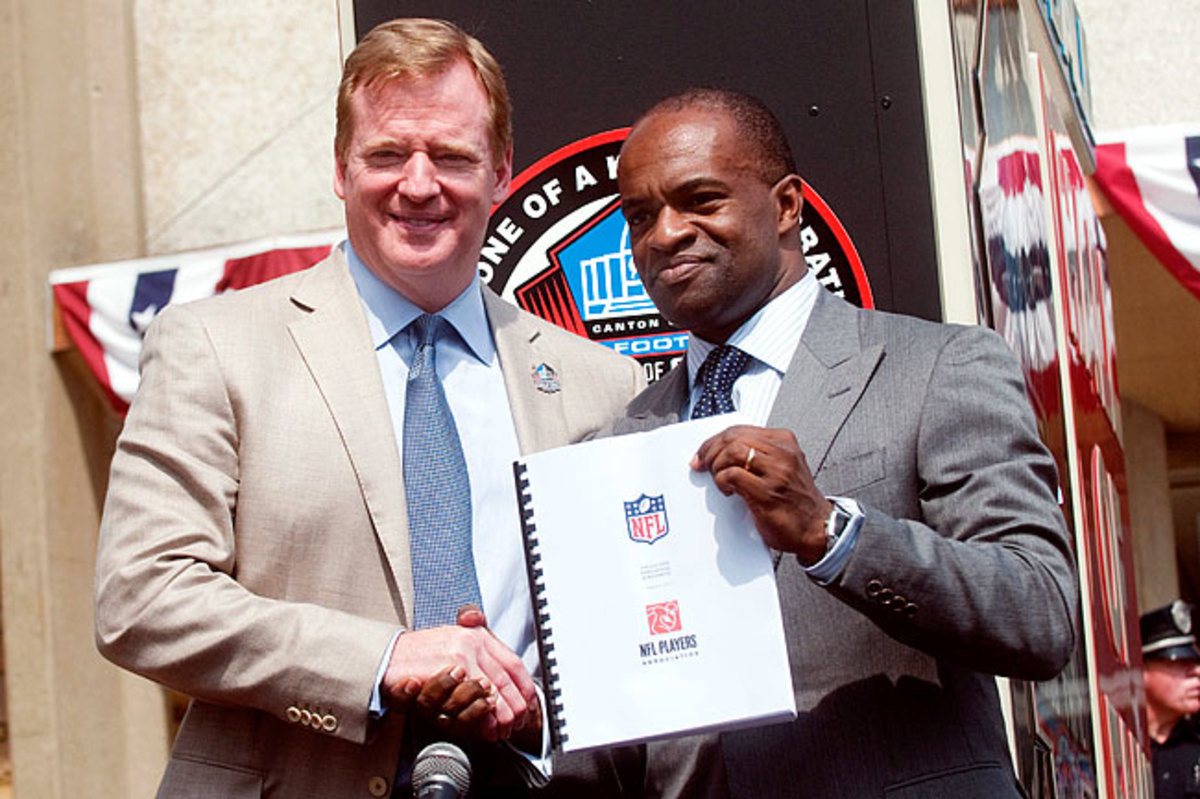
(105, 308)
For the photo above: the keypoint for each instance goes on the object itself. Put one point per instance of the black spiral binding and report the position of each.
(541, 614)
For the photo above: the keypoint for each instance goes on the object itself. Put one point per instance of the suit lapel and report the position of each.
(538, 416)
(335, 344)
(658, 405)
(828, 374)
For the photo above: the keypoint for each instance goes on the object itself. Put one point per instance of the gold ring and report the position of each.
(749, 459)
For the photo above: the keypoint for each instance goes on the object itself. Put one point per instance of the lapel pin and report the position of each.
(546, 379)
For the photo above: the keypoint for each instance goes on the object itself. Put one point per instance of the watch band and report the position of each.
(841, 536)
(839, 520)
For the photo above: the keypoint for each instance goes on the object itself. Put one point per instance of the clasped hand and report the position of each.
(466, 681)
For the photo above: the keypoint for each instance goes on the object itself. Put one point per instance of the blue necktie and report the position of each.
(437, 489)
(722, 366)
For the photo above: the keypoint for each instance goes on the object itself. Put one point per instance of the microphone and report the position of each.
(441, 771)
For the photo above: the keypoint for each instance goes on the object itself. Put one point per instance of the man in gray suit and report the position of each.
(897, 474)
(258, 548)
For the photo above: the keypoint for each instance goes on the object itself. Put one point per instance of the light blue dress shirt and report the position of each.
(469, 368)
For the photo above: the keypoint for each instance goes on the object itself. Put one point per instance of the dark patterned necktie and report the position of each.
(437, 489)
(722, 366)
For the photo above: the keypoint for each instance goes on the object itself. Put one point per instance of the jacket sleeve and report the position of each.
(984, 575)
(168, 601)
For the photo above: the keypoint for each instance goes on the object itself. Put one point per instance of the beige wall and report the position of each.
(1158, 327)
(66, 196)
(1143, 62)
(132, 128)
(236, 112)
(1151, 525)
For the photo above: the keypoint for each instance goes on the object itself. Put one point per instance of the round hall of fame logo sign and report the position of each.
(558, 247)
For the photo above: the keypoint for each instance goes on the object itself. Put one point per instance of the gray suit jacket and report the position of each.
(963, 568)
(253, 552)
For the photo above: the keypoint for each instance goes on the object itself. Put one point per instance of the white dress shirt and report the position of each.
(770, 338)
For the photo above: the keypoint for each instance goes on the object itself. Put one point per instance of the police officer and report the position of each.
(1171, 673)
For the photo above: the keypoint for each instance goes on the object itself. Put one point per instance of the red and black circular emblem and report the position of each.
(558, 247)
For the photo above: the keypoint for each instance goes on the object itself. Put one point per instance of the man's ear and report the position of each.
(789, 200)
(339, 175)
(503, 177)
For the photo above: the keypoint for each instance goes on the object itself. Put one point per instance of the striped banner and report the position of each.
(1152, 179)
(105, 308)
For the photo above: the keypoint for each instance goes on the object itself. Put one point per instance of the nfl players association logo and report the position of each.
(646, 519)
(663, 617)
(558, 247)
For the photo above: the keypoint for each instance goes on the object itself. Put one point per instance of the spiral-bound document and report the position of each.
(654, 594)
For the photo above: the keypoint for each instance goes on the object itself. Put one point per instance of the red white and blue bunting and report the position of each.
(105, 308)
(1151, 177)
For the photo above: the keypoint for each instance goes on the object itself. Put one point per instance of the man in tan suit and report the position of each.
(255, 550)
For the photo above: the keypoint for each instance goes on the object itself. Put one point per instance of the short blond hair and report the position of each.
(407, 48)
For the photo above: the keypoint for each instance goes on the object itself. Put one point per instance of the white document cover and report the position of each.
(654, 594)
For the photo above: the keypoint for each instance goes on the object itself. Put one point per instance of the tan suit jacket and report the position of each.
(253, 552)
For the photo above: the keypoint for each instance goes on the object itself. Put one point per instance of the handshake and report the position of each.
(465, 681)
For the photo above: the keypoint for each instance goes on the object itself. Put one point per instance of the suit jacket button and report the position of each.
(306, 717)
(378, 786)
(910, 610)
(873, 588)
(898, 602)
(329, 723)
(293, 714)
(885, 596)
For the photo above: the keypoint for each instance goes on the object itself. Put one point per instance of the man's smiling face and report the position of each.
(419, 180)
(705, 228)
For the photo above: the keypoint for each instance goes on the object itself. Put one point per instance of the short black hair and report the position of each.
(755, 123)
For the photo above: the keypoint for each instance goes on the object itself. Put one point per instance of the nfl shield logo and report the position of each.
(646, 519)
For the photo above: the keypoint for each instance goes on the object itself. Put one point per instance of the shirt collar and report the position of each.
(389, 312)
(771, 335)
